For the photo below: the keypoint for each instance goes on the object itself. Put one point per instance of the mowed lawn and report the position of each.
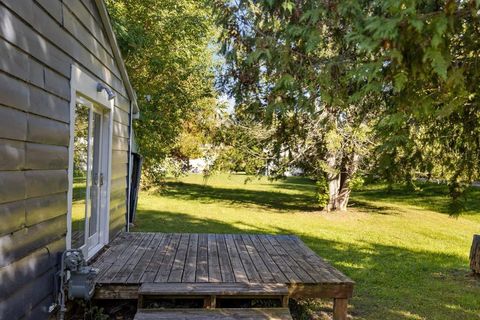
(408, 257)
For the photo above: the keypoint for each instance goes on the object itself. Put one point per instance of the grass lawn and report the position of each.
(408, 257)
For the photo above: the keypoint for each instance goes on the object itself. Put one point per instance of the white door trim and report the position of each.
(83, 86)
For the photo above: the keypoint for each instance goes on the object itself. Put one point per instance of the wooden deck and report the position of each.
(136, 259)
(216, 314)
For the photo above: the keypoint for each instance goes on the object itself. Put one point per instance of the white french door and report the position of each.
(94, 192)
(90, 168)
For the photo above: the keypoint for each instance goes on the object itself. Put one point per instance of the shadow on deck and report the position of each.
(216, 266)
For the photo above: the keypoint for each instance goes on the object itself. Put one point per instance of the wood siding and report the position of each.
(39, 42)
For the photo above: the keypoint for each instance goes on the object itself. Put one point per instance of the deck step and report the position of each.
(213, 289)
(215, 314)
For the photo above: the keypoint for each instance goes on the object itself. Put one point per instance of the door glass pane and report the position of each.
(80, 172)
(96, 178)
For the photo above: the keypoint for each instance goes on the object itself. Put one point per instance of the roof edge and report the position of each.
(117, 54)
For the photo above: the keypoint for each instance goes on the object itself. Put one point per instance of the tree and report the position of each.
(424, 58)
(404, 73)
(289, 66)
(167, 50)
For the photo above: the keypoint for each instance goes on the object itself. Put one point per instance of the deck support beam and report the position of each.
(340, 309)
(210, 302)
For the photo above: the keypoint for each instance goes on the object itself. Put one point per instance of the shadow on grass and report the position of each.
(391, 282)
(296, 183)
(431, 196)
(370, 208)
(207, 194)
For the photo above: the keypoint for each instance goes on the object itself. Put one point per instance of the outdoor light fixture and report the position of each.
(101, 86)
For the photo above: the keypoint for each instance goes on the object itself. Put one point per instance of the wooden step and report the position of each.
(213, 289)
(215, 314)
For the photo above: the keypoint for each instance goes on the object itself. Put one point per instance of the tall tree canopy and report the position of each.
(167, 50)
(290, 68)
(424, 57)
(337, 80)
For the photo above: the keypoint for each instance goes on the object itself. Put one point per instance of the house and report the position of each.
(66, 111)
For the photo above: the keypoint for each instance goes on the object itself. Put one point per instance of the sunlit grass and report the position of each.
(78, 201)
(409, 258)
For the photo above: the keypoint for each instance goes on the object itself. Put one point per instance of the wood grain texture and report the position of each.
(215, 314)
(228, 260)
(340, 309)
(219, 289)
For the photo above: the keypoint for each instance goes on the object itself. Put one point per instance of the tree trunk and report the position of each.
(343, 196)
(475, 254)
(333, 179)
(333, 183)
(349, 168)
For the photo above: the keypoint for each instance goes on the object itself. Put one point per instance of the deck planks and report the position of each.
(124, 273)
(139, 269)
(168, 259)
(117, 262)
(262, 269)
(152, 268)
(179, 262)
(214, 274)
(191, 260)
(225, 264)
(138, 258)
(215, 314)
(296, 266)
(237, 265)
(247, 262)
(202, 259)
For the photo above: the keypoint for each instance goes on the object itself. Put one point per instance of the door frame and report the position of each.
(84, 87)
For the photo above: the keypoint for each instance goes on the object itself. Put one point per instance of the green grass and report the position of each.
(408, 257)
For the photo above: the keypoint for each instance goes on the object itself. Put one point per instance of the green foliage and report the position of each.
(357, 182)
(289, 68)
(430, 54)
(405, 70)
(167, 50)
(322, 192)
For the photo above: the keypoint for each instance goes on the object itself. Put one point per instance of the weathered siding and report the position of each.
(120, 147)
(39, 41)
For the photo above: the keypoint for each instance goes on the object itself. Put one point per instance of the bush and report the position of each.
(357, 182)
(322, 192)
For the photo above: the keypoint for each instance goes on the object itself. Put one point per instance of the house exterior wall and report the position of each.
(39, 41)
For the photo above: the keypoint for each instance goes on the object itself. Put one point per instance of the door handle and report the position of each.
(101, 179)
